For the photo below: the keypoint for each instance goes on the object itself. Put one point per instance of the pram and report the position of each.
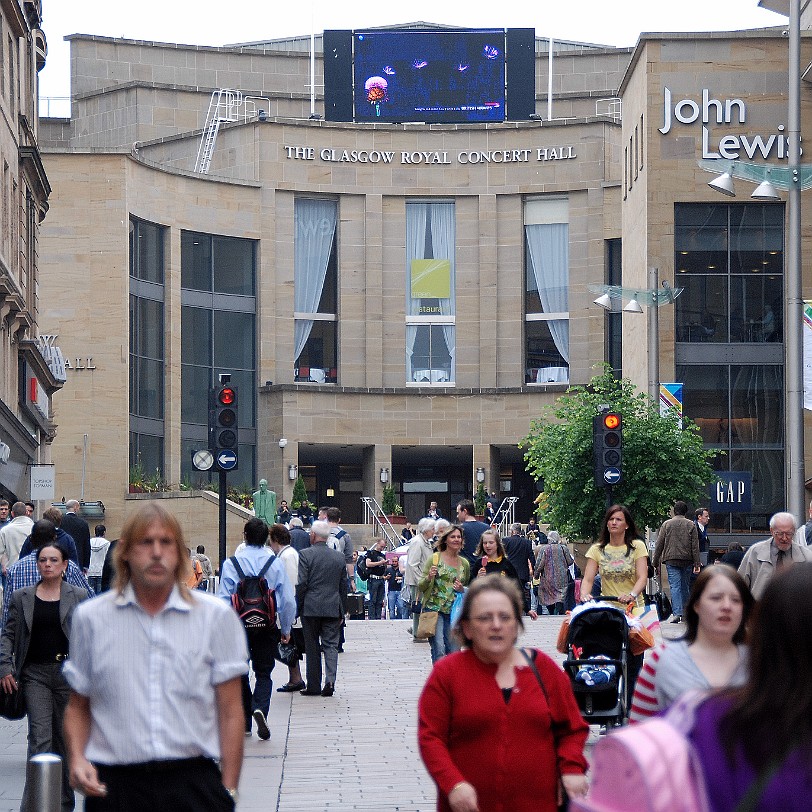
(598, 638)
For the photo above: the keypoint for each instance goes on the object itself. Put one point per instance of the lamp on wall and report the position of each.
(292, 471)
(480, 474)
(384, 475)
(331, 493)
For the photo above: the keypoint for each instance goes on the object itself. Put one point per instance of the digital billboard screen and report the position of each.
(449, 77)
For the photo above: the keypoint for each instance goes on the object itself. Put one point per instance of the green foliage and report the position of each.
(389, 502)
(661, 462)
(480, 499)
(299, 493)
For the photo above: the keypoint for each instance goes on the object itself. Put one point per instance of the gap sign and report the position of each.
(733, 493)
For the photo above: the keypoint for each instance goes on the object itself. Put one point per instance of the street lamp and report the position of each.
(653, 297)
(792, 178)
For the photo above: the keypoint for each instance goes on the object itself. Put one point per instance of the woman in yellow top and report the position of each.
(621, 558)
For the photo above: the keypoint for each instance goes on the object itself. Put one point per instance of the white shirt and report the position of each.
(13, 536)
(289, 556)
(150, 680)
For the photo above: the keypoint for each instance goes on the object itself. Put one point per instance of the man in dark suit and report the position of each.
(76, 527)
(519, 551)
(321, 595)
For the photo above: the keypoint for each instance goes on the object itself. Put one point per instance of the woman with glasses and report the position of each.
(484, 708)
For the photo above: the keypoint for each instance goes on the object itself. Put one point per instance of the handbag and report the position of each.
(286, 653)
(456, 607)
(12, 706)
(426, 625)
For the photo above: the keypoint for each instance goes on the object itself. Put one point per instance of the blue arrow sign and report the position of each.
(612, 476)
(226, 460)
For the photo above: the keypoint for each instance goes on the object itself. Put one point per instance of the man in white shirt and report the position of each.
(155, 671)
(13, 536)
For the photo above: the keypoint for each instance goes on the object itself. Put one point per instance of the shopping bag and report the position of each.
(426, 625)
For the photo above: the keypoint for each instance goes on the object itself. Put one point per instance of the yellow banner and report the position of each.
(431, 279)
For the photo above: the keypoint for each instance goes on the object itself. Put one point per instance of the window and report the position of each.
(147, 354)
(430, 294)
(315, 290)
(218, 334)
(729, 258)
(546, 290)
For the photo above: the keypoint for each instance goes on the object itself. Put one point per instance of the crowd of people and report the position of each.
(78, 662)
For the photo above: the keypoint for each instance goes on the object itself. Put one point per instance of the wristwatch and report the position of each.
(235, 795)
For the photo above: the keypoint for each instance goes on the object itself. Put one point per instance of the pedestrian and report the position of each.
(394, 584)
(77, 528)
(155, 673)
(445, 574)
(299, 537)
(376, 579)
(552, 570)
(420, 550)
(98, 552)
(484, 709)
(519, 550)
(205, 564)
(54, 515)
(472, 528)
(35, 644)
(490, 547)
(678, 548)
(764, 558)
(13, 536)
(257, 560)
(733, 556)
(321, 596)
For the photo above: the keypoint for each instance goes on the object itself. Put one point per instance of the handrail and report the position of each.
(506, 514)
(374, 515)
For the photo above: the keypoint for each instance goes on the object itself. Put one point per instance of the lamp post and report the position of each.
(653, 297)
(792, 178)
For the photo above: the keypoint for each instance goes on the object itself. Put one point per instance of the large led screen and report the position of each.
(449, 77)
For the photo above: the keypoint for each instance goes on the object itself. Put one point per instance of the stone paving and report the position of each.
(354, 751)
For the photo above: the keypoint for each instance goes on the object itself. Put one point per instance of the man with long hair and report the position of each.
(155, 671)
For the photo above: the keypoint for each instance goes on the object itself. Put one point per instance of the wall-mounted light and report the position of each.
(480, 474)
(384, 475)
(331, 493)
(282, 442)
(292, 472)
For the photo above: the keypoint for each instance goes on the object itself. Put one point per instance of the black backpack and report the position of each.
(361, 568)
(253, 600)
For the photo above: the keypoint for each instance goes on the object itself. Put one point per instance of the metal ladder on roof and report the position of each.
(224, 105)
(373, 515)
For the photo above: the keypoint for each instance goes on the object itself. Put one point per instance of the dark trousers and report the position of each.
(526, 596)
(377, 591)
(261, 645)
(46, 697)
(321, 634)
(189, 785)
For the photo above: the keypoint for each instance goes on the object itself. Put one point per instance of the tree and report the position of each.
(299, 493)
(661, 461)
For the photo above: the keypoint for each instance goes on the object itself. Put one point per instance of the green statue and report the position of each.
(265, 503)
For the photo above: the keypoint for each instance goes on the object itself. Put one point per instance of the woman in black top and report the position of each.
(34, 645)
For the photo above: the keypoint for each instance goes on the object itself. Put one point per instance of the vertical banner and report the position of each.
(671, 400)
(43, 482)
(808, 355)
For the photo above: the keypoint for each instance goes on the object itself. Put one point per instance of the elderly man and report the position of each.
(155, 719)
(77, 528)
(321, 595)
(765, 558)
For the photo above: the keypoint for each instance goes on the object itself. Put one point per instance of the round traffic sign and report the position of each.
(202, 460)
(612, 476)
(226, 460)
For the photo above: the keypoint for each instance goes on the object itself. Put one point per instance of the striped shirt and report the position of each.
(25, 573)
(151, 680)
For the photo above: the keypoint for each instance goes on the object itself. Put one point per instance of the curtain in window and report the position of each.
(314, 230)
(548, 246)
(443, 242)
(416, 218)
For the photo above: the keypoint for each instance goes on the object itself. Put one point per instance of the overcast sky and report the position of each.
(214, 22)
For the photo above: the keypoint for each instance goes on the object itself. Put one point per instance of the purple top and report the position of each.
(789, 790)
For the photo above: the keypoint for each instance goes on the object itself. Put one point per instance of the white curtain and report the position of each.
(416, 218)
(443, 242)
(548, 246)
(314, 232)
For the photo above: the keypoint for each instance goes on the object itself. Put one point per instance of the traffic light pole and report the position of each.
(222, 522)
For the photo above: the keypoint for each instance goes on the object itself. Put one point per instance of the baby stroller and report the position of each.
(598, 643)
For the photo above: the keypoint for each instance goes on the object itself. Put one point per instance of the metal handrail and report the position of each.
(374, 516)
(507, 512)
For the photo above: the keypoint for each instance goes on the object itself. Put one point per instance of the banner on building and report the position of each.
(431, 279)
(808, 355)
(671, 400)
(43, 482)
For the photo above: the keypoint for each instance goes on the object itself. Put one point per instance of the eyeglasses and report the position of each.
(485, 620)
(783, 534)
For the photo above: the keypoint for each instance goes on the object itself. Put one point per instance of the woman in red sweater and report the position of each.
(483, 709)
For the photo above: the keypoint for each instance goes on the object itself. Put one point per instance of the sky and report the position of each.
(208, 22)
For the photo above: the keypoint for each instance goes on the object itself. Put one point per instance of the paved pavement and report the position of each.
(354, 751)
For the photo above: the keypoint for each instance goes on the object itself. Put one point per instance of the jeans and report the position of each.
(442, 643)
(377, 590)
(679, 579)
(95, 583)
(395, 604)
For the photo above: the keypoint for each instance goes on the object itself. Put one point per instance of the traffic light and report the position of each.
(223, 427)
(607, 436)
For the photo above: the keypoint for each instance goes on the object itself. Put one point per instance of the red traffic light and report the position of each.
(611, 421)
(227, 396)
